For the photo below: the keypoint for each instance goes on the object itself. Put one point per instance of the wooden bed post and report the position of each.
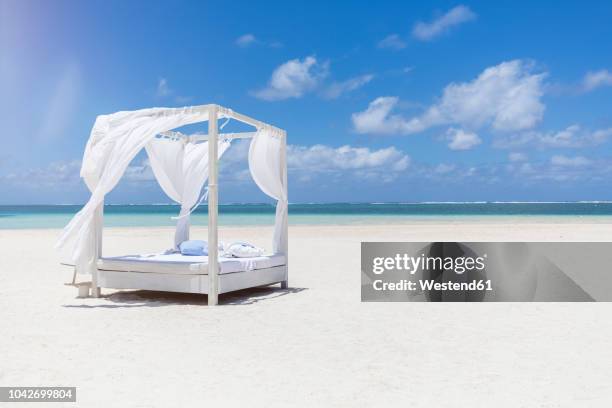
(98, 225)
(285, 283)
(213, 247)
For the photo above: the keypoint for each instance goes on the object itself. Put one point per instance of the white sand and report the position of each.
(315, 345)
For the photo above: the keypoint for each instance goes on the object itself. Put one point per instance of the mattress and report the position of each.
(182, 264)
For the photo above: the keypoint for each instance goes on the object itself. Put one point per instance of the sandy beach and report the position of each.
(315, 344)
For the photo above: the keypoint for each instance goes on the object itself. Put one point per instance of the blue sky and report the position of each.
(385, 101)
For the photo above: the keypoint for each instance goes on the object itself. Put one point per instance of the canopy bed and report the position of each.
(182, 165)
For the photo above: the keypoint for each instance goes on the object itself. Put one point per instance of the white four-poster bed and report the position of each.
(181, 165)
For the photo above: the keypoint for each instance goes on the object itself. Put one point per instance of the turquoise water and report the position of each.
(57, 216)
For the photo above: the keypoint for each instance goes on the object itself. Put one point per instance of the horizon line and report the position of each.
(331, 203)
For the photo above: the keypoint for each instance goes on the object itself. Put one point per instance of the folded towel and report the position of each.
(243, 250)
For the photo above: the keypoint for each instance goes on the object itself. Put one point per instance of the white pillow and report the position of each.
(243, 250)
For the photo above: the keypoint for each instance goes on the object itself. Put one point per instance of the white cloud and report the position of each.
(163, 91)
(54, 175)
(378, 119)
(564, 169)
(310, 162)
(597, 79)
(334, 165)
(449, 172)
(570, 170)
(341, 163)
(246, 40)
(461, 139)
(517, 157)
(162, 88)
(321, 158)
(514, 141)
(564, 138)
(557, 169)
(565, 161)
(392, 42)
(68, 172)
(336, 89)
(505, 97)
(454, 17)
(573, 136)
(249, 39)
(61, 173)
(293, 79)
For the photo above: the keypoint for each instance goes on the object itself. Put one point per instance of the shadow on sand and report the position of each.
(148, 298)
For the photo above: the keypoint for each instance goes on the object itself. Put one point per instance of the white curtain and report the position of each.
(266, 170)
(114, 141)
(181, 168)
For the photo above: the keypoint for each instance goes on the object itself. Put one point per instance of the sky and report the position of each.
(382, 101)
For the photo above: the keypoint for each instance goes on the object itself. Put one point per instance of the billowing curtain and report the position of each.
(181, 168)
(114, 141)
(266, 170)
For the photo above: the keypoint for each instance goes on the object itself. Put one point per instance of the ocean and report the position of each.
(57, 216)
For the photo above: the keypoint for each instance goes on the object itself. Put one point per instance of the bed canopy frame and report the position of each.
(117, 138)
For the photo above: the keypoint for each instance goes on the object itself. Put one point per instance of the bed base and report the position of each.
(228, 282)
